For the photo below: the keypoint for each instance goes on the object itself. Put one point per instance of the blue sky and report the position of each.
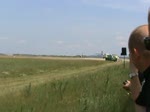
(69, 27)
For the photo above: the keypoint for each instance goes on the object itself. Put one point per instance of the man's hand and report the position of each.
(127, 85)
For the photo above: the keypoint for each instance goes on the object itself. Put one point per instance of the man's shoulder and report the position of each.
(144, 96)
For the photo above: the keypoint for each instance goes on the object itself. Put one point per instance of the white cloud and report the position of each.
(60, 42)
(4, 38)
(122, 41)
(145, 1)
(123, 44)
(120, 38)
(128, 5)
(74, 46)
(21, 41)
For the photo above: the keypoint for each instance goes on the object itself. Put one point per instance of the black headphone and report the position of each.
(147, 43)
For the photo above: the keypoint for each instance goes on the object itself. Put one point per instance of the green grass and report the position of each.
(90, 91)
(17, 67)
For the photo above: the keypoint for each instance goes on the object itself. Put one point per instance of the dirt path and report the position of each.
(9, 85)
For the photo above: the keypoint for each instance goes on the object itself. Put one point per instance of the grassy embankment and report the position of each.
(93, 87)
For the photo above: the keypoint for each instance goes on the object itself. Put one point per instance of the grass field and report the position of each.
(66, 86)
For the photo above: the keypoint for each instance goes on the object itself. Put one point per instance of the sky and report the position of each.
(69, 27)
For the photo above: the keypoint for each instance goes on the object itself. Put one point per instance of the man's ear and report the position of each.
(136, 53)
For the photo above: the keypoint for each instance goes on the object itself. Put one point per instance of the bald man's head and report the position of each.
(137, 37)
(139, 46)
